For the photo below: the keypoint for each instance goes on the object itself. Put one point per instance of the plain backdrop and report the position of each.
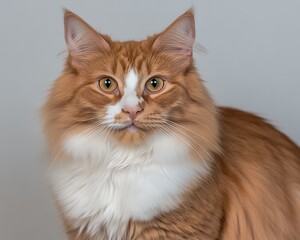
(251, 62)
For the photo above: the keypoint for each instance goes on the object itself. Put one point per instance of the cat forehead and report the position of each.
(130, 60)
(132, 49)
(131, 55)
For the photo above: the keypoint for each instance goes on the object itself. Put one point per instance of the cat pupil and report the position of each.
(107, 83)
(154, 83)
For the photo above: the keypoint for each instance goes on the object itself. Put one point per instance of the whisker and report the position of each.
(187, 142)
(189, 138)
(88, 130)
(185, 128)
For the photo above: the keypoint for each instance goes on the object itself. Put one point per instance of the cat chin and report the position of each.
(130, 136)
(132, 129)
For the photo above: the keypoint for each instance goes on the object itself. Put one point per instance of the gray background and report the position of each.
(252, 62)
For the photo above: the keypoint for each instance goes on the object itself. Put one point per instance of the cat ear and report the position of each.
(178, 39)
(82, 40)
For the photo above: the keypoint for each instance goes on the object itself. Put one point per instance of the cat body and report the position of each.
(140, 151)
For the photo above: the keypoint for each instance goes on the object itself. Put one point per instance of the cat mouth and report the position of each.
(130, 126)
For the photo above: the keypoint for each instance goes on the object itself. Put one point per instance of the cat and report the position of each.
(141, 151)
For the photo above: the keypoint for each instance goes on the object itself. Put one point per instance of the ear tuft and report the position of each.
(82, 40)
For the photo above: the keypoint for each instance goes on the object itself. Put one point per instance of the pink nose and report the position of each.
(133, 111)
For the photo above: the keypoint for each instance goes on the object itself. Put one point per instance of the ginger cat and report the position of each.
(140, 150)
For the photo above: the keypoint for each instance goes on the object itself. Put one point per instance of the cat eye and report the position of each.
(154, 85)
(107, 85)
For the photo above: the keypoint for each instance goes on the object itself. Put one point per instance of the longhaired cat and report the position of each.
(140, 150)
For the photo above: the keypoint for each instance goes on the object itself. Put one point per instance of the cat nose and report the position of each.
(133, 111)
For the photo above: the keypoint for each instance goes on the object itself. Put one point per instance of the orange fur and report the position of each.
(253, 188)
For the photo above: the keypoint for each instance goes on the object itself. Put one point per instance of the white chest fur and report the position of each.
(106, 185)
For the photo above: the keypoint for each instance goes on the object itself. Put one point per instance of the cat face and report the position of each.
(128, 91)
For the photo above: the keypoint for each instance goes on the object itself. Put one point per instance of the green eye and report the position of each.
(155, 84)
(107, 85)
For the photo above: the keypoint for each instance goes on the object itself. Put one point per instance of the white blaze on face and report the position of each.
(129, 99)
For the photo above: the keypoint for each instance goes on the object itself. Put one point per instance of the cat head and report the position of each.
(130, 91)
